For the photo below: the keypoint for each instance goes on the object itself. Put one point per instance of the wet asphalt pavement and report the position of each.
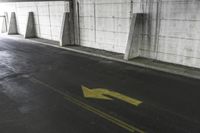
(40, 92)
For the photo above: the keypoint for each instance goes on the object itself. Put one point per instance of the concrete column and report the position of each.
(134, 39)
(70, 25)
(4, 27)
(30, 27)
(67, 30)
(7, 19)
(4, 24)
(12, 28)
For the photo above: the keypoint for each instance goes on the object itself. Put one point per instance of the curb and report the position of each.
(174, 72)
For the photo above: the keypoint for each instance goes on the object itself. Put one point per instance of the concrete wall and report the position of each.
(172, 32)
(148, 35)
(26, 0)
(179, 34)
(104, 24)
(48, 16)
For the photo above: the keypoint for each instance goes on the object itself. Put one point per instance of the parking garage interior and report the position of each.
(99, 66)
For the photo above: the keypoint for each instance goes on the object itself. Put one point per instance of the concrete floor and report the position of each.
(40, 92)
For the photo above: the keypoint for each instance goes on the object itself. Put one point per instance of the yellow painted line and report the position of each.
(101, 93)
(108, 117)
(87, 107)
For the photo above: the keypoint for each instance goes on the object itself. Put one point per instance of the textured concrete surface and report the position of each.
(4, 22)
(104, 24)
(47, 14)
(37, 82)
(12, 29)
(67, 36)
(170, 32)
(134, 42)
(26, 0)
(146, 63)
(30, 26)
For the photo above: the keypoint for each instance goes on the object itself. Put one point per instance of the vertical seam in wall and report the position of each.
(159, 4)
(72, 6)
(142, 4)
(73, 22)
(50, 22)
(149, 23)
(131, 11)
(16, 18)
(75, 15)
(71, 11)
(130, 21)
(78, 13)
(38, 20)
(95, 28)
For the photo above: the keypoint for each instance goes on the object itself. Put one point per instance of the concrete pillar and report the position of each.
(70, 26)
(12, 28)
(7, 19)
(4, 24)
(30, 31)
(134, 39)
(67, 30)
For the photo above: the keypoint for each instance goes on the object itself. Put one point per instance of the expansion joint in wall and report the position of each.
(158, 16)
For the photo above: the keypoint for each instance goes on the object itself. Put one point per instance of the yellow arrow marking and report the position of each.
(104, 93)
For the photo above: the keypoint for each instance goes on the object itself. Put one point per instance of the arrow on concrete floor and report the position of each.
(105, 94)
